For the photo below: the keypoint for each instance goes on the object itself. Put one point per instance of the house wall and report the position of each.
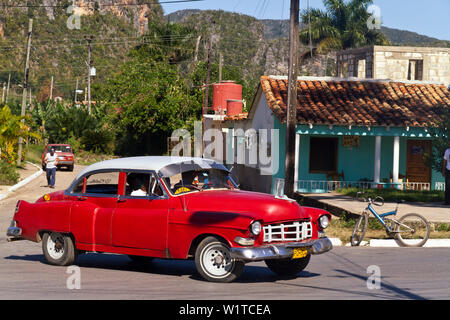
(357, 163)
(397, 63)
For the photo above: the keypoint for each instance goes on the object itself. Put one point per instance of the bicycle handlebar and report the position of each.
(378, 201)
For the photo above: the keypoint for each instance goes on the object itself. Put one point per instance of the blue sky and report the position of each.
(427, 17)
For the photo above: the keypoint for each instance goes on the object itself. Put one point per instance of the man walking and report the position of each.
(51, 160)
(446, 173)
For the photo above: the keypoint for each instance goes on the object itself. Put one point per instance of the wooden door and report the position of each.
(416, 170)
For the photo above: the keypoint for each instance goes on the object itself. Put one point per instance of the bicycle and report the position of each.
(411, 230)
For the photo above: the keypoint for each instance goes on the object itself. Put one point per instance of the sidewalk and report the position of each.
(27, 174)
(337, 203)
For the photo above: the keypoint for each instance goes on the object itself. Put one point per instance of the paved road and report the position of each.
(406, 273)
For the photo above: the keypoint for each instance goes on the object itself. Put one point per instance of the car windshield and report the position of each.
(199, 180)
(61, 148)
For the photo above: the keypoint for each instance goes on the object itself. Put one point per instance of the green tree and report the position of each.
(440, 131)
(149, 96)
(342, 25)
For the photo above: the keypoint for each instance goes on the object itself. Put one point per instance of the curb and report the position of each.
(391, 243)
(23, 182)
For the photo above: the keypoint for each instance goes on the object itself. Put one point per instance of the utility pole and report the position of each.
(220, 67)
(25, 86)
(3, 92)
(208, 71)
(89, 39)
(291, 121)
(76, 92)
(7, 88)
(51, 89)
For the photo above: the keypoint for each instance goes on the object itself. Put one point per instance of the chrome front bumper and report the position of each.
(280, 251)
(14, 233)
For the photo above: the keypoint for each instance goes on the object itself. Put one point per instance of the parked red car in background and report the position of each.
(172, 208)
(64, 153)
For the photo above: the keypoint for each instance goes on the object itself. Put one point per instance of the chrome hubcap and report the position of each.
(217, 261)
(55, 246)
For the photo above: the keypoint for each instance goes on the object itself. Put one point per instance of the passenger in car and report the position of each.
(139, 185)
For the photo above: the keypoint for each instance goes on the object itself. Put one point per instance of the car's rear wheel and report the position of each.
(70, 168)
(59, 249)
(214, 263)
(288, 267)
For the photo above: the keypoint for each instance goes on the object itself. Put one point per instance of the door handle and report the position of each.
(120, 199)
(81, 198)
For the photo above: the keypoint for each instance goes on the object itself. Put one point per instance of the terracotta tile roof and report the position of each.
(241, 116)
(358, 102)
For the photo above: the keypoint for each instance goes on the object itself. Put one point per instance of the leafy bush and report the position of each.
(98, 140)
(8, 173)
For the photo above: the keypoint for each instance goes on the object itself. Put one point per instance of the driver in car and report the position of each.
(189, 180)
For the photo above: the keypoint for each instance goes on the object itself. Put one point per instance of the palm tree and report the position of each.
(341, 26)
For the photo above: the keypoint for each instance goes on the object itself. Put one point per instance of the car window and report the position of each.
(197, 180)
(142, 185)
(61, 148)
(102, 183)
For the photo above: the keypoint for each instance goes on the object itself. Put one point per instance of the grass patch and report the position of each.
(342, 228)
(8, 173)
(84, 158)
(34, 152)
(394, 194)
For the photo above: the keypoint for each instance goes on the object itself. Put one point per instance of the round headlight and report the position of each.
(324, 221)
(255, 228)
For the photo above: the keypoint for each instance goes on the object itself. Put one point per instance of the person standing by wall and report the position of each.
(51, 160)
(446, 173)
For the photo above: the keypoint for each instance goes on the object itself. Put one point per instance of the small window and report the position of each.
(323, 155)
(102, 183)
(142, 185)
(415, 70)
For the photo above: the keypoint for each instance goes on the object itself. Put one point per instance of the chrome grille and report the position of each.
(289, 231)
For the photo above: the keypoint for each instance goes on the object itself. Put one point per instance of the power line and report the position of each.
(103, 5)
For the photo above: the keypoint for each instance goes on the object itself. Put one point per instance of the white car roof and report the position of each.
(155, 163)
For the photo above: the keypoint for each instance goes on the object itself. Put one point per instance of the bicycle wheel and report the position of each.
(360, 230)
(412, 230)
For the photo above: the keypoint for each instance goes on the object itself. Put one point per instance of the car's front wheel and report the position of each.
(288, 267)
(59, 249)
(214, 263)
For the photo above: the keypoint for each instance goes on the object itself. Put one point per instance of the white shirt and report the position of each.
(51, 160)
(447, 157)
(138, 193)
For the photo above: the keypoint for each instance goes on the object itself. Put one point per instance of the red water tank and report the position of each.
(227, 98)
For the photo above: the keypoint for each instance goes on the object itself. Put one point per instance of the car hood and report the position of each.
(256, 206)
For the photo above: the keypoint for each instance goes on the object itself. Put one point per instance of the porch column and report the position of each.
(396, 163)
(297, 160)
(376, 170)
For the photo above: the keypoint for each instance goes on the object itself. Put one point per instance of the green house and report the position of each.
(350, 132)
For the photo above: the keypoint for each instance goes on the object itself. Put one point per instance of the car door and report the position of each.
(95, 199)
(140, 218)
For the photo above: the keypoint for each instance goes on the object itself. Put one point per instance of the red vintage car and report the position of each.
(172, 208)
(64, 153)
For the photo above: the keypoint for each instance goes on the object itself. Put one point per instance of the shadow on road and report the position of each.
(400, 293)
(252, 274)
